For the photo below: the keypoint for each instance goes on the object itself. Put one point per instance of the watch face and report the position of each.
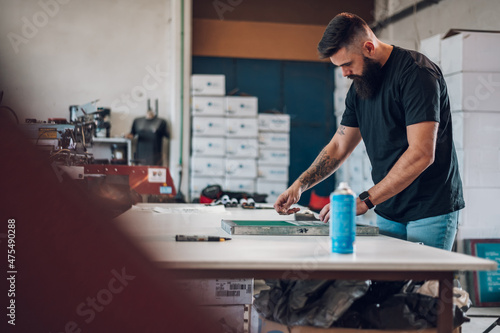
(364, 195)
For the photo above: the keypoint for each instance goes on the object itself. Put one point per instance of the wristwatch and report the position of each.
(365, 197)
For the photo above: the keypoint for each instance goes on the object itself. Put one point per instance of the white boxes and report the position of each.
(470, 52)
(272, 189)
(237, 147)
(476, 129)
(340, 80)
(209, 126)
(199, 183)
(274, 157)
(481, 207)
(208, 146)
(474, 91)
(339, 96)
(269, 122)
(269, 140)
(219, 291)
(479, 167)
(241, 127)
(431, 47)
(207, 166)
(224, 137)
(208, 85)
(240, 184)
(277, 173)
(241, 168)
(241, 106)
(207, 106)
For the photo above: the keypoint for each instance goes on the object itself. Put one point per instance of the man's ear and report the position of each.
(368, 49)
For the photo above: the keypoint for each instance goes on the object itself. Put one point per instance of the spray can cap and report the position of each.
(343, 186)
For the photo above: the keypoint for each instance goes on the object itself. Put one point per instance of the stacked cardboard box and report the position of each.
(469, 62)
(274, 154)
(224, 137)
(356, 170)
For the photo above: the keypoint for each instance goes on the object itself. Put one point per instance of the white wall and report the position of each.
(57, 53)
(81, 51)
(436, 19)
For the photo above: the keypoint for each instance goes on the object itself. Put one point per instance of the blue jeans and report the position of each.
(438, 231)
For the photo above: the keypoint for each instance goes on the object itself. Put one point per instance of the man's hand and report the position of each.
(361, 207)
(287, 199)
(324, 214)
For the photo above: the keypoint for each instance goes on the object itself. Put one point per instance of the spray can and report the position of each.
(343, 219)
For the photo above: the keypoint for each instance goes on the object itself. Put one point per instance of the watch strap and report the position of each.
(365, 197)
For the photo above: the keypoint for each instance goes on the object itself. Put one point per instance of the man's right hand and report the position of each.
(286, 200)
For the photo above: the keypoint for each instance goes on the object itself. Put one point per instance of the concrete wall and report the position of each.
(436, 19)
(57, 53)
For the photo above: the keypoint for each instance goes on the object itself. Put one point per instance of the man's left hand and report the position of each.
(361, 207)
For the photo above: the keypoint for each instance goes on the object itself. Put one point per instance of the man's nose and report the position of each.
(346, 72)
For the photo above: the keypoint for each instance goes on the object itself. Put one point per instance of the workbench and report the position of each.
(285, 257)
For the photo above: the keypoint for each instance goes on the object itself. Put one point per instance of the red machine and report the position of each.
(153, 180)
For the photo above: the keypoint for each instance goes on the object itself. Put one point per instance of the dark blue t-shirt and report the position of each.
(413, 90)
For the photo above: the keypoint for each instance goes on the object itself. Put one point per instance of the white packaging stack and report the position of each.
(224, 147)
(208, 144)
(208, 85)
(274, 154)
(342, 85)
(470, 52)
(471, 66)
(431, 47)
(242, 168)
(207, 106)
(198, 183)
(272, 189)
(209, 126)
(241, 106)
(356, 170)
(242, 147)
(242, 150)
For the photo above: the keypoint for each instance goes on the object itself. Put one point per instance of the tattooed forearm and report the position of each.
(322, 167)
(341, 130)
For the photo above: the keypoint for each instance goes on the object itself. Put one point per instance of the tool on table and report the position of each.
(287, 228)
(195, 238)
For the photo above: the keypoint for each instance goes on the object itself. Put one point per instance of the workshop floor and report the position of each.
(481, 319)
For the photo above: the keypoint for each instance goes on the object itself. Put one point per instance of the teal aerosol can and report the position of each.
(343, 219)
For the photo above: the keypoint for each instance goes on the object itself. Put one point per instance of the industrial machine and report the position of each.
(70, 148)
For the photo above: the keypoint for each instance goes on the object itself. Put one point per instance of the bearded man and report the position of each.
(398, 104)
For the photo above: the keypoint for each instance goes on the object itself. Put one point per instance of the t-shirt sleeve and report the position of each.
(133, 130)
(349, 117)
(420, 93)
(164, 129)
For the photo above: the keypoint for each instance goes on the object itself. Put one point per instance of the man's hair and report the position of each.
(341, 32)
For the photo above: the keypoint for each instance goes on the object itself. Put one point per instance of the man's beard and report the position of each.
(368, 83)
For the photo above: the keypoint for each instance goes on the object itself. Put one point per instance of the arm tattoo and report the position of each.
(321, 168)
(341, 130)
